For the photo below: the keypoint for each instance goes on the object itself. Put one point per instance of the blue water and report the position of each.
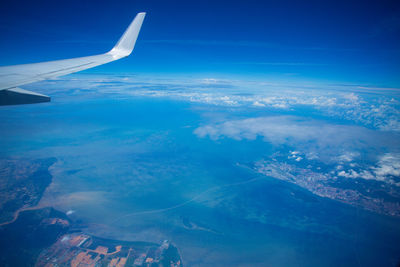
(133, 169)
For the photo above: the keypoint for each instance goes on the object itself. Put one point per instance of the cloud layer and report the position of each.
(377, 108)
(318, 138)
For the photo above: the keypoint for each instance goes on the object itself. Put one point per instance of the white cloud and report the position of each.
(352, 97)
(354, 174)
(311, 155)
(258, 104)
(388, 165)
(69, 212)
(346, 102)
(209, 80)
(348, 157)
(316, 137)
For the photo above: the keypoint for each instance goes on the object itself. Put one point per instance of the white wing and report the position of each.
(13, 76)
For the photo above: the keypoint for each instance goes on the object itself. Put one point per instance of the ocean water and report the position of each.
(134, 169)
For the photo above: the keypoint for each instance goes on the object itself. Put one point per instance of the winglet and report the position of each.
(127, 42)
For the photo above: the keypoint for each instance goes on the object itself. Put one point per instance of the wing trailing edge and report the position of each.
(18, 96)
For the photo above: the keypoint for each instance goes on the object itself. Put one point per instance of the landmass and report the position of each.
(22, 184)
(79, 249)
(371, 195)
(22, 241)
(43, 236)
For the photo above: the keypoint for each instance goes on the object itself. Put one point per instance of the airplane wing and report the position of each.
(11, 77)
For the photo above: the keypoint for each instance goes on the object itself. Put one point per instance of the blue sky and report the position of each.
(337, 41)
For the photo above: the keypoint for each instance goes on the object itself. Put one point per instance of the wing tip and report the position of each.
(127, 42)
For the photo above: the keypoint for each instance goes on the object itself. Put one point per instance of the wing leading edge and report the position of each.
(11, 77)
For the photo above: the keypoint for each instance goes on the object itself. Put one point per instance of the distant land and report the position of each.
(22, 184)
(22, 241)
(34, 236)
(78, 249)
